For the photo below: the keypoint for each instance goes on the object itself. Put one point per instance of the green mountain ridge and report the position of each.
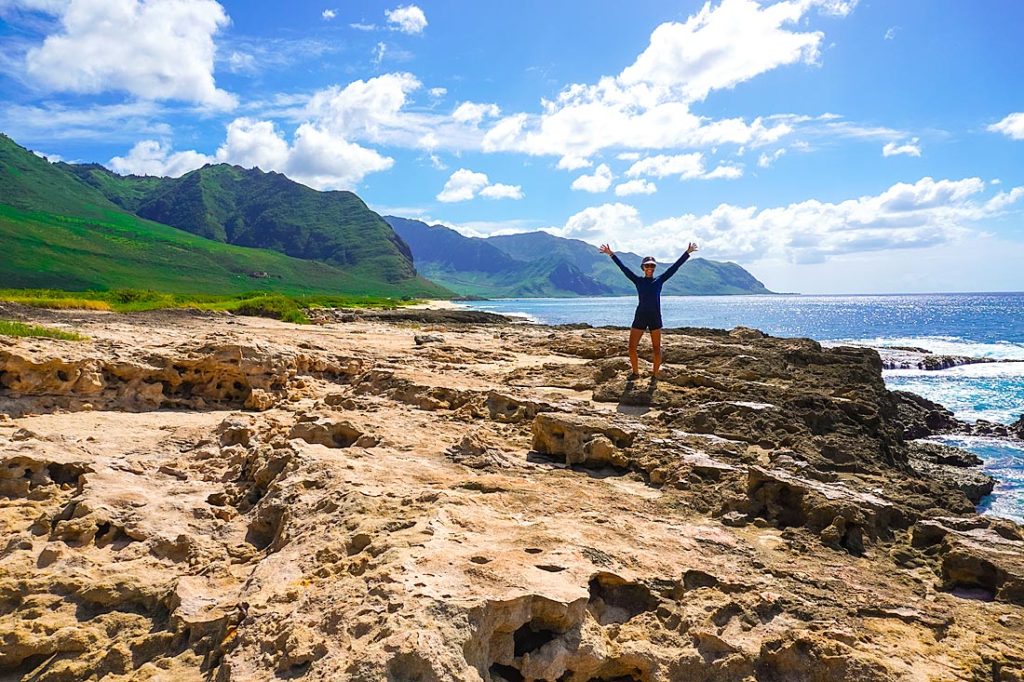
(249, 207)
(227, 229)
(539, 264)
(475, 267)
(71, 227)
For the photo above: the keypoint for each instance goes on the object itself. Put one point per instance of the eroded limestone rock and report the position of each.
(591, 441)
(744, 518)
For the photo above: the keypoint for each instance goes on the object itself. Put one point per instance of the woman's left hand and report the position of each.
(691, 248)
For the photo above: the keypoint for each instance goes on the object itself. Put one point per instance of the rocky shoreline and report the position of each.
(907, 357)
(423, 496)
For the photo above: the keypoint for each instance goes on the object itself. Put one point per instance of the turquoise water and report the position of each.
(975, 325)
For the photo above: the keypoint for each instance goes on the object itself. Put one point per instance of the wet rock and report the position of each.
(983, 427)
(1017, 428)
(919, 417)
(937, 453)
(952, 466)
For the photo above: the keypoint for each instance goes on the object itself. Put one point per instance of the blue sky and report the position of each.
(826, 145)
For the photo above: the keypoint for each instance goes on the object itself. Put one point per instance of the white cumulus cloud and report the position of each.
(766, 159)
(150, 157)
(502, 191)
(647, 105)
(367, 108)
(465, 184)
(323, 160)
(329, 14)
(1012, 126)
(599, 181)
(635, 187)
(407, 19)
(316, 156)
(573, 163)
(725, 171)
(911, 148)
(686, 166)
(152, 49)
(472, 112)
(721, 47)
(905, 216)
(607, 223)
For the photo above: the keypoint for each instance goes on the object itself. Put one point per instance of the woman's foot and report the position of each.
(633, 376)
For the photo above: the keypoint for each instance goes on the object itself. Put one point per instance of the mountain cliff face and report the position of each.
(541, 264)
(248, 207)
(474, 266)
(700, 276)
(220, 229)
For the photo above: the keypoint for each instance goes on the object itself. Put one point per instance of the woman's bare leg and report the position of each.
(656, 342)
(634, 338)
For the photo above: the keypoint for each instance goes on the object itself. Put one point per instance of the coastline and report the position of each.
(466, 482)
(435, 304)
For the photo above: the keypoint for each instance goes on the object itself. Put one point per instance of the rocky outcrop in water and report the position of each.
(920, 418)
(905, 357)
(499, 504)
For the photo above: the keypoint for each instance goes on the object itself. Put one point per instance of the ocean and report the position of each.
(975, 325)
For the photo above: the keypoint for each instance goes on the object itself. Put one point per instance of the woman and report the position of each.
(648, 310)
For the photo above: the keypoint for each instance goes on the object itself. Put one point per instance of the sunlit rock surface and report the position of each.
(203, 497)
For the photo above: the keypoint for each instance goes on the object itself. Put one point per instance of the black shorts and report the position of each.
(646, 320)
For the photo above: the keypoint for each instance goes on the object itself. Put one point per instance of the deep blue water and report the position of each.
(977, 325)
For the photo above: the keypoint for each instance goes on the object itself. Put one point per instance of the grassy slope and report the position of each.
(58, 232)
(248, 207)
(127, 191)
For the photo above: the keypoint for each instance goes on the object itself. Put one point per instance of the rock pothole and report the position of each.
(615, 600)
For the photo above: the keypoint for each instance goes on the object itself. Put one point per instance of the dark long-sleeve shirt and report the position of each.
(649, 288)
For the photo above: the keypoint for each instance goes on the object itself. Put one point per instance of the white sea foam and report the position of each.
(1004, 461)
(943, 345)
(991, 370)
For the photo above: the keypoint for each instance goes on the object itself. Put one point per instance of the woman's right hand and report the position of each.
(607, 250)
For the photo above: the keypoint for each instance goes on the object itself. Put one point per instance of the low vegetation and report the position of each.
(254, 303)
(11, 328)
